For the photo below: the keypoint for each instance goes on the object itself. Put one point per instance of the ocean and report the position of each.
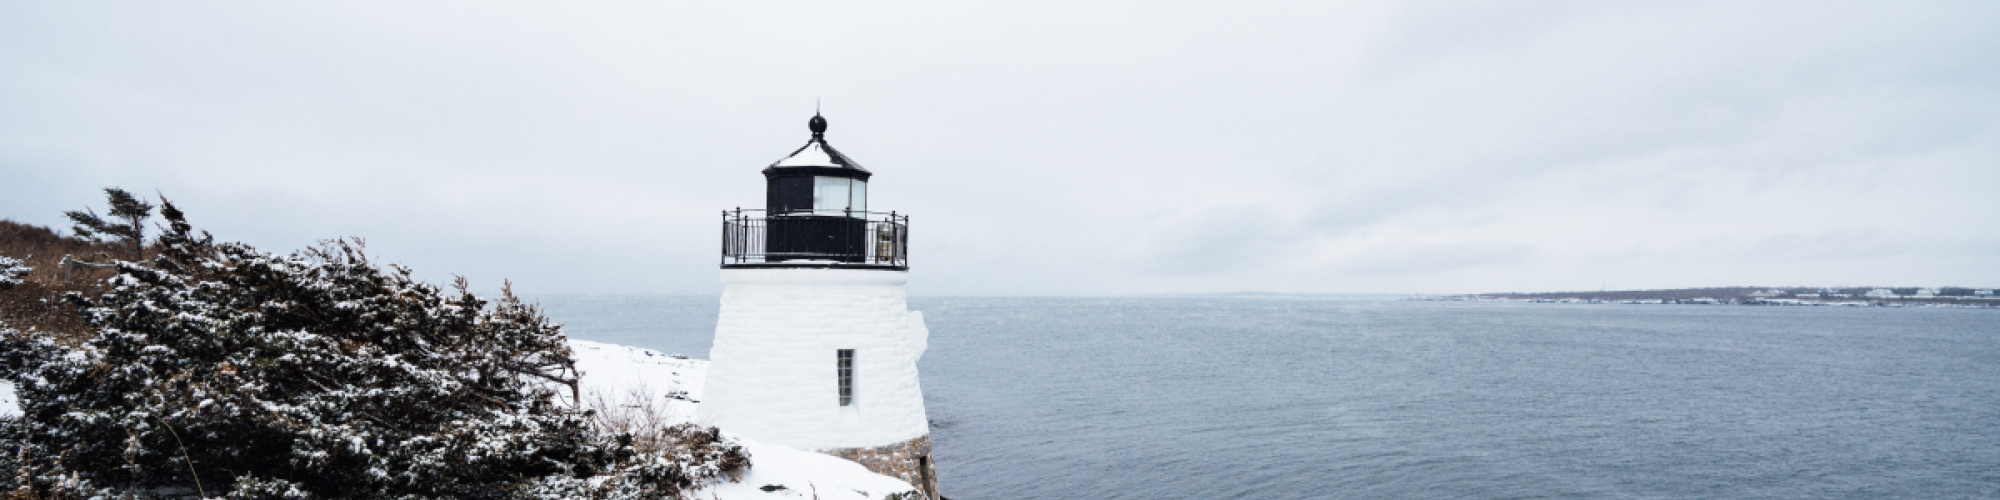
(1285, 397)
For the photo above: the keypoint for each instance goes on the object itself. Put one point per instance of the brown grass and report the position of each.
(669, 457)
(643, 414)
(37, 304)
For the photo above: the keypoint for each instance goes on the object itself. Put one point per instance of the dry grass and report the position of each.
(637, 411)
(36, 305)
(656, 430)
(669, 456)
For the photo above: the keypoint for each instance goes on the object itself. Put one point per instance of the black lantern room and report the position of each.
(816, 180)
(815, 215)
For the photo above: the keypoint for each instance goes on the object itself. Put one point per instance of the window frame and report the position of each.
(844, 370)
(834, 195)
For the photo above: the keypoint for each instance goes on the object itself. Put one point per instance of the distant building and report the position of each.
(1767, 294)
(1926, 293)
(1804, 295)
(1881, 293)
(1983, 293)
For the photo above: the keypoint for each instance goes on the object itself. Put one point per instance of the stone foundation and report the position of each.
(909, 461)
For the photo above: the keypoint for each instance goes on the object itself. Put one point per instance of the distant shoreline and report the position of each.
(1956, 297)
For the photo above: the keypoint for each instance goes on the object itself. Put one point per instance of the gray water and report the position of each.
(1325, 397)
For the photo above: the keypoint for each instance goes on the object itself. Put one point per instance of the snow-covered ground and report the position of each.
(621, 373)
(803, 474)
(9, 407)
(630, 374)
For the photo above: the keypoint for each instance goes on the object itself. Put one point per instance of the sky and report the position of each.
(1046, 148)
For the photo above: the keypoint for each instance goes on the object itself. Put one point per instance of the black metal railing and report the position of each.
(855, 239)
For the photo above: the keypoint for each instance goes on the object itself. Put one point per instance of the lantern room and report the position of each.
(815, 215)
(817, 180)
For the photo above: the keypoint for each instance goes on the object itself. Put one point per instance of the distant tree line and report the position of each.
(1739, 293)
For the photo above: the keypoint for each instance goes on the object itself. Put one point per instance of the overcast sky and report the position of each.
(1047, 147)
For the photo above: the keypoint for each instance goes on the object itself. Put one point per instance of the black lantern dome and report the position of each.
(815, 214)
(816, 178)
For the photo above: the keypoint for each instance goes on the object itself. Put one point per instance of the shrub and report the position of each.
(218, 369)
(11, 271)
(663, 456)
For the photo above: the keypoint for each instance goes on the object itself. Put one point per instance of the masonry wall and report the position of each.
(908, 461)
(772, 375)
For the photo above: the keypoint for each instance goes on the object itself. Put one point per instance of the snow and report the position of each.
(803, 474)
(616, 370)
(11, 271)
(812, 156)
(9, 406)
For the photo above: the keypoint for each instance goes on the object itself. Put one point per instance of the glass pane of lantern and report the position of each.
(857, 198)
(829, 195)
(790, 195)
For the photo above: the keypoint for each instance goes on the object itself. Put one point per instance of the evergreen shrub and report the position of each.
(218, 370)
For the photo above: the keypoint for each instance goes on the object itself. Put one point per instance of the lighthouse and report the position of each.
(815, 346)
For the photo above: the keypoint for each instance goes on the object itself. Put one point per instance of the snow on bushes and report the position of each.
(11, 271)
(217, 369)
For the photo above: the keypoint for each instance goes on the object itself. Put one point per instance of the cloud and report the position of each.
(1402, 258)
(1045, 147)
(1219, 240)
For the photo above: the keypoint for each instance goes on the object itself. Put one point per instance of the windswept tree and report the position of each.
(127, 224)
(215, 369)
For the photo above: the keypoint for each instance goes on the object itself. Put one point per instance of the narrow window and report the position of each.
(846, 364)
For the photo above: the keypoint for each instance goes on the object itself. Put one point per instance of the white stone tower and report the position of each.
(815, 347)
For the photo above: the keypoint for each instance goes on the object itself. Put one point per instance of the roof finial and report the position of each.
(817, 124)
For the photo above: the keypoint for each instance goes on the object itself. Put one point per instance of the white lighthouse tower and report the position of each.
(815, 347)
